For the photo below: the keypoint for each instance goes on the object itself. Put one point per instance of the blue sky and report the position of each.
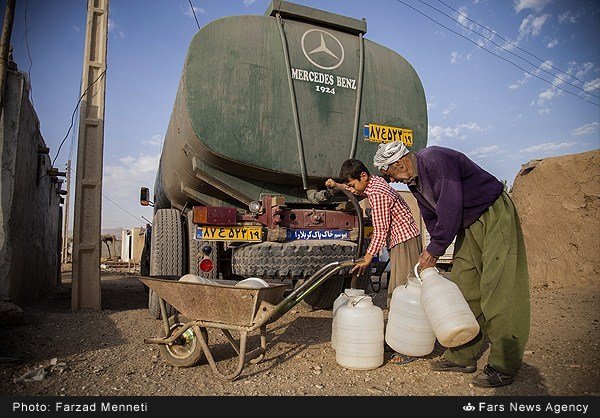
(478, 103)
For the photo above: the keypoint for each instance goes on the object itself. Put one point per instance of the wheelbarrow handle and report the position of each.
(306, 288)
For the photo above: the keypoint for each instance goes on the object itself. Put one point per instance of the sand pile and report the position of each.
(558, 200)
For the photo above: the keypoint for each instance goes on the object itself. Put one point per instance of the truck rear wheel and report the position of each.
(195, 254)
(296, 260)
(166, 252)
(154, 306)
(323, 296)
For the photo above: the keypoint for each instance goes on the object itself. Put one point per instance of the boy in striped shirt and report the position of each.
(393, 223)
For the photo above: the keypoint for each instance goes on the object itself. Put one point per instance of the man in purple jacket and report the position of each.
(457, 198)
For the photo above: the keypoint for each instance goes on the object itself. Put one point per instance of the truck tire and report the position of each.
(296, 260)
(166, 252)
(195, 254)
(145, 262)
(323, 296)
(154, 306)
(361, 283)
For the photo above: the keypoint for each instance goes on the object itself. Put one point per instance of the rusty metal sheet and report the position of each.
(222, 302)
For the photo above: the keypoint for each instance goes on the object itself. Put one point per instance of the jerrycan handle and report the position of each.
(370, 295)
(417, 272)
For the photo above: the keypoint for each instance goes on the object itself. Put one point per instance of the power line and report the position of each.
(194, 12)
(72, 146)
(518, 47)
(123, 209)
(496, 55)
(509, 51)
(117, 205)
(75, 111)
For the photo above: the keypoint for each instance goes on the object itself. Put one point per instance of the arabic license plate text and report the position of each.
(382, 133)
(229, 233)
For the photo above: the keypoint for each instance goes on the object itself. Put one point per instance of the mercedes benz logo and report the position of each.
(322, 49)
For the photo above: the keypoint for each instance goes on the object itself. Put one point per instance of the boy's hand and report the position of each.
(331, 184)
(363, 265)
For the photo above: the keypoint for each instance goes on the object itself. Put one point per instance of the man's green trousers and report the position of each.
(490, 268)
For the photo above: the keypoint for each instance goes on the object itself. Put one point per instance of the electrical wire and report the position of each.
(194, 12)
(518, 47)
(123, 209)
(117, 205)
(509, 51)
(75, 111)
(496, 55)
(72, 146)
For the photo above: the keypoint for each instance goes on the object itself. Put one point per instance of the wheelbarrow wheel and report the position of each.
(186, 350)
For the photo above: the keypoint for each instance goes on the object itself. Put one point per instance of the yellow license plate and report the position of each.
(229, 233)
(383, 133)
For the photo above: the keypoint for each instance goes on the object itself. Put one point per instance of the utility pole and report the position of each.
(65, 243)
(87, 245)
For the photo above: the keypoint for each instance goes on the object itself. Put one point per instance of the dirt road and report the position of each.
(102, 353)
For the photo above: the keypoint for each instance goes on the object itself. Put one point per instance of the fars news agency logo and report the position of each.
(468, 407)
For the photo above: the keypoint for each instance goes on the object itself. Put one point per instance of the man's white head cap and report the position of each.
(389, 153)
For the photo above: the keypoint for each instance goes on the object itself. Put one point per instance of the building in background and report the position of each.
(30, 198)
(132, 244)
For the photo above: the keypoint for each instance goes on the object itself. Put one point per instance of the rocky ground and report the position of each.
(103, 354)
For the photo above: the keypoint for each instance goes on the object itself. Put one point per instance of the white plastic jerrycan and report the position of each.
(408, 330)
(449, 314)
(360, 335)
(348, 294)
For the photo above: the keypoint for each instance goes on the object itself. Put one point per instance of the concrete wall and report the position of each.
(138, 243)
(30, 226)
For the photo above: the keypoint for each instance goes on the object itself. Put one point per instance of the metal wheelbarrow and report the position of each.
(226, 307)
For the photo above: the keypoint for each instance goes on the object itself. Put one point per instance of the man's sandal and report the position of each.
(401, 359)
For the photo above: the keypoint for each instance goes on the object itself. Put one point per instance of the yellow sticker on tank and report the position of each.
(383, 133)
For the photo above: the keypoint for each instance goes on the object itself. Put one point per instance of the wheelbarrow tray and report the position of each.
(222, 302)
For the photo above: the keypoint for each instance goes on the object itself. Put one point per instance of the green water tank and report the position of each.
(274, 104)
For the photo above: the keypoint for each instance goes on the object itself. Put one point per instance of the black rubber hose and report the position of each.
(358, 210)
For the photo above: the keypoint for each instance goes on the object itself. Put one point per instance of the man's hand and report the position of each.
(363, 265)
(426, 260)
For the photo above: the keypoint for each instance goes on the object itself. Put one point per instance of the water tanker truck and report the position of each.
(267, 109)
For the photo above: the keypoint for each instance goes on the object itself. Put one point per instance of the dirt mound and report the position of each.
(558, 200)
